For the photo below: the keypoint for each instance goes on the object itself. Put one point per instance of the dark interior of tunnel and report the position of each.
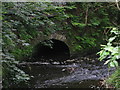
(51, 49)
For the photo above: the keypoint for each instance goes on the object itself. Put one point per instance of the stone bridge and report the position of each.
(54, 46)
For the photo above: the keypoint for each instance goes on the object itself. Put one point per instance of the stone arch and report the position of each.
(57, 36)
(51, 49)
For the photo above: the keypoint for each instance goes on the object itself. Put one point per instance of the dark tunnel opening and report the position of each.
(53, 49)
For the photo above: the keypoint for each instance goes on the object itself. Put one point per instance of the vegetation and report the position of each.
(112, 49)
(111, 53)
(86, 26)
(114, 79)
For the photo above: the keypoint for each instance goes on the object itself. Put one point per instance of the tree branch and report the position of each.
(117, 5)
(86, 16)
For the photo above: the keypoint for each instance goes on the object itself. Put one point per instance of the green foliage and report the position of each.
(22, 54)
(10, 71)
(19, 27)
(79, 24)
(22, 23)
(111, 50)
(86, 23)
(114, 79)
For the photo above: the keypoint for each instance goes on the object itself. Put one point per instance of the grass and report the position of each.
(114, 79)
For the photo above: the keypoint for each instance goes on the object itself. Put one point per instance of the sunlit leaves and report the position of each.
(111, 39)
(115, 31)
(79, 24)
(114, 63)
(103, 54)
(113, 52)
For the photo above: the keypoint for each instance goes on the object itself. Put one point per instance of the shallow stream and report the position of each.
(76, 73)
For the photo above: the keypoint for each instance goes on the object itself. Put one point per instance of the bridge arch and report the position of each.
(51, 49)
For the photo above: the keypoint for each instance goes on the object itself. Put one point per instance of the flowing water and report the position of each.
(76, 73)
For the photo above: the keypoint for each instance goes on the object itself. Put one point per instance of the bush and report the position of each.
(111, 53)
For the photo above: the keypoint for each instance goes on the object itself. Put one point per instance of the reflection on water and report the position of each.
(77, 74)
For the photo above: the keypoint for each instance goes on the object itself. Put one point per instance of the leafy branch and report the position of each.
(109, 51)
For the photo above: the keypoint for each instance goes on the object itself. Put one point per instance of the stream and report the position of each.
(80, 72)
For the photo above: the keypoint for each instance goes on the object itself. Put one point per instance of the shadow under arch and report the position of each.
(51, 49)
